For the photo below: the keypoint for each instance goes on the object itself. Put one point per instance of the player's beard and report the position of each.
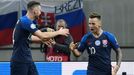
(36, 17)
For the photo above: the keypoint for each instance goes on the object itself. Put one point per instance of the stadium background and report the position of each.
(117, 17)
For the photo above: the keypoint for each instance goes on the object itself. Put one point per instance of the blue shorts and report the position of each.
(90, 72)
(18, 68)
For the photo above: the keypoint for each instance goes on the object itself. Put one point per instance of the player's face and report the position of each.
(94, 25)
(37, 11)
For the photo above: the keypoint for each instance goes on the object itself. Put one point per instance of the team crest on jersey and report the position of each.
(97, 42)
(33, 26)
(104, 42)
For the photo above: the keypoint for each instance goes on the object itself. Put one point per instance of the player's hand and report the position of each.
(115, 69)
(53, 42)
(50, 30)
(72, 46)
(48, 42)
(64, 32)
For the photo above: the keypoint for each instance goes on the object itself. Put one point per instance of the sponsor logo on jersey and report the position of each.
(97, 42)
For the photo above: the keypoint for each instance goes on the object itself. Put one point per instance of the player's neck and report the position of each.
(98, 34)
(30, 16)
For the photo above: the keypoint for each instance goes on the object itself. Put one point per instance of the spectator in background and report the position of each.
(59, 49)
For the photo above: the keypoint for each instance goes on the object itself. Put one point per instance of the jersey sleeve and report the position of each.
(82, 44)
(113, 41)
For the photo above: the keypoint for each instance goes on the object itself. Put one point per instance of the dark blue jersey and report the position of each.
(22, 31)
(99, 50)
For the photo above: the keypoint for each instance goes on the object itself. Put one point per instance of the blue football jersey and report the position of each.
(22, 31)
(99, 50)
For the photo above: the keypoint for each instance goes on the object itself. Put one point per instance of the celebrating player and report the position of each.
(21, 60)
(98, 44)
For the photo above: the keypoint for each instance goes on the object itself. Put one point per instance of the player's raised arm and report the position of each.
(46, 35)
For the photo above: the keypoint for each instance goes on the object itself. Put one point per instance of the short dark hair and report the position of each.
(94, 15)
(31, 4)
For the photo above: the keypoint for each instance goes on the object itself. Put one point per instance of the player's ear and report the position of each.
(100, 23)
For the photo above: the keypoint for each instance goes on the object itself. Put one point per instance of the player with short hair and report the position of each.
(98, 44)
(21, 60)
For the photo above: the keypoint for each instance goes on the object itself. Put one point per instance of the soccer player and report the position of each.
(21, 60)
(98, 44)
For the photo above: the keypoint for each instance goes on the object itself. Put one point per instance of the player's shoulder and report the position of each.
(86, 36)
(25, 20)
(109, 34)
